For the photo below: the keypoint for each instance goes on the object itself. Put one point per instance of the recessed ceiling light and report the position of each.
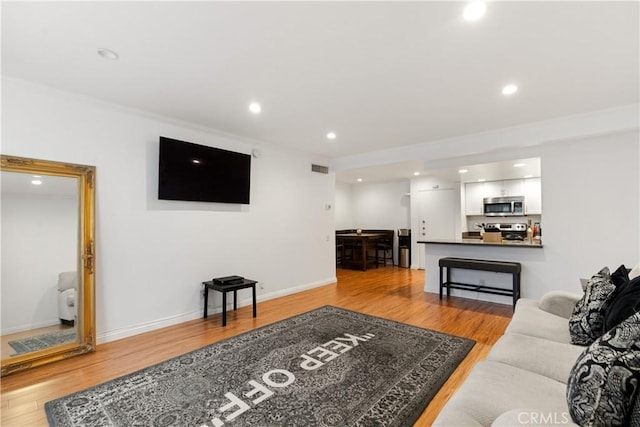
(518, 165)
(481, 180)
(416, 173)
(463, 170)
(475, 11)
(255, 108)
(359, 179)
(528, 176)
(108, 54)
(509, 89)
(37, 176)
(331, 135)
(196, 161)
(36, 182)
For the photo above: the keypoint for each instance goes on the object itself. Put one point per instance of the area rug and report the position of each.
(328, 367)
(27, 345)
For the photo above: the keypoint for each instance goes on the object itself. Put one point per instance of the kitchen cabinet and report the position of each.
(473, 195)
(530, 188)
(533, 196)
(509, 187)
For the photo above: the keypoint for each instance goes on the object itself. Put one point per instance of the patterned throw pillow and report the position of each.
(603, 384)
(586, 323)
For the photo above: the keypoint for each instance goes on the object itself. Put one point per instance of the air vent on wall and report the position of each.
(319, 169)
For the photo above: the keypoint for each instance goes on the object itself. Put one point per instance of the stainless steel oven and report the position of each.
(504, 206)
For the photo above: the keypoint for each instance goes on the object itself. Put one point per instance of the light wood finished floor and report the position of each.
(390, 292)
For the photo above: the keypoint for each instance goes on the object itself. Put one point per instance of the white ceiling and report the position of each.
(379, 74)
(492, 171)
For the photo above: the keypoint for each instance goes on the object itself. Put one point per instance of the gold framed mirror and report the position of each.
(48, 261)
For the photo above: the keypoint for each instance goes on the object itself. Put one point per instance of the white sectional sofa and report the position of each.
(523, 380)
(534, 370)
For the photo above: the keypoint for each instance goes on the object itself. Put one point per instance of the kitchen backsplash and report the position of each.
(471, 220)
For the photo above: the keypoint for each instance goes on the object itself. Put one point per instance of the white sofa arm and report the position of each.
(560, 303)
(66, 304)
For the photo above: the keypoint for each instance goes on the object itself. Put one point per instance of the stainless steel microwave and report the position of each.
(503, 206)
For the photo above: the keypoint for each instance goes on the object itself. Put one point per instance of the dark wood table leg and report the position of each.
(448, 282)
(206, 301)
(441, 282)
(364, 254)
(235, 299)
(224, 308)
(376, 246)
(254, 300)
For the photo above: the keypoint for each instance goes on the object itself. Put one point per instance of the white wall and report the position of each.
(381, 205)
(343, 207)
(152, 255)
(39, 241)
(591, 209)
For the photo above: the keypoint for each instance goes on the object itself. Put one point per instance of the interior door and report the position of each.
(437, 217)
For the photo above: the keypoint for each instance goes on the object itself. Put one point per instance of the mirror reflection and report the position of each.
(39, 258)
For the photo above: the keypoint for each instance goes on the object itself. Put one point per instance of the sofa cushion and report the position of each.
(67, 280)
(586, 323)
(493, 388)
(529, 320)
(548, 358)
(634, 417)
(560, 303)
(604, 382)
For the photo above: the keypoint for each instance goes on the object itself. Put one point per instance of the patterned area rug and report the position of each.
(327, 367)
(26, 345)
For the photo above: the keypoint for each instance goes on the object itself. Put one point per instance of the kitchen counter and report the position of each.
(533, 260)
(479, 242)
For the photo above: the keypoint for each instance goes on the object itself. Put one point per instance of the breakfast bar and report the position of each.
(496, 266)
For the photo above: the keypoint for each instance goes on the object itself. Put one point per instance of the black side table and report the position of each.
(245, 283)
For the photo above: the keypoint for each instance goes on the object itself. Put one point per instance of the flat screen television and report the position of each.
(198, 173)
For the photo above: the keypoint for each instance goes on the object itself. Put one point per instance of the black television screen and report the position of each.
(199, 173)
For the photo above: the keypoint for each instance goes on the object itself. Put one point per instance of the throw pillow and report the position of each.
(586, 323)
(624, 304)
(603, 384)
(620, 277)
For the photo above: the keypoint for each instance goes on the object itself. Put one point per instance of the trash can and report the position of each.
(404, 248)
(404, 257)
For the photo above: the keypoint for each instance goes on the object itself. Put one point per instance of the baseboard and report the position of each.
(295, 290)
(117, 334)
(23, 328)
(141, 328)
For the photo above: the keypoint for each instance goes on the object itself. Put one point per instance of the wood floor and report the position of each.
(390, 292)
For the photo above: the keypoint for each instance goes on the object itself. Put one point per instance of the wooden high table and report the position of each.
(365, 239)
